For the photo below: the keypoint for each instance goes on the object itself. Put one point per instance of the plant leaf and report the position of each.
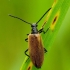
(54, 20)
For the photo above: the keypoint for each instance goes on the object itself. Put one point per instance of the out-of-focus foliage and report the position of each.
(13, 32)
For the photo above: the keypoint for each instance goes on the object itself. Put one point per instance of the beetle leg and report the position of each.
(26, 53)
(27, 34)
(45, 50)
(46, 30)
(27, 59)
(41, 30)
(26, 39)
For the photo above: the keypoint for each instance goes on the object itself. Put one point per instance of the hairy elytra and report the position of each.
(35, 46)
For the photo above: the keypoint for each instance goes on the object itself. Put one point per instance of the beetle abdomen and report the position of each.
(36, 50)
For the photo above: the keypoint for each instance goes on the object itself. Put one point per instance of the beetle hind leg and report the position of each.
(26, 53)
(45, 50)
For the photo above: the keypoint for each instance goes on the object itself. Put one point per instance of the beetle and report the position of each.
(36, 49)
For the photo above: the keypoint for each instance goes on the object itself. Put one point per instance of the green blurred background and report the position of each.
(13, 33)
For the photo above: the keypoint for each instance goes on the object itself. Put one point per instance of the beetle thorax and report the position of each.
(34, 28)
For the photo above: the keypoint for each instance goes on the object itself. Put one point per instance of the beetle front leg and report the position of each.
(46, 30)
(41, 30)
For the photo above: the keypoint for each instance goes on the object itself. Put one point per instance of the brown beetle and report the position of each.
(36, 49)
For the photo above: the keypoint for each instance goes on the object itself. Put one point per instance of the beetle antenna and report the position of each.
(43, 16)
(20, 19)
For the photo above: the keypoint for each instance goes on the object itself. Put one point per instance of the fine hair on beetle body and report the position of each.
(35, 45)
